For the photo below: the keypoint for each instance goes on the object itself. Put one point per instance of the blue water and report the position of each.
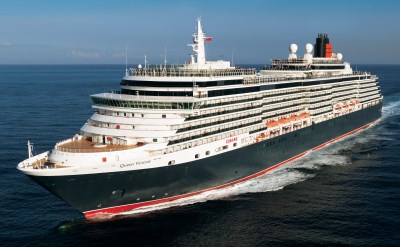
(346, 194)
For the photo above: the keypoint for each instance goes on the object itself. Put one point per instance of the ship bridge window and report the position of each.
(143, 105)
(155, 84)
(156, 93)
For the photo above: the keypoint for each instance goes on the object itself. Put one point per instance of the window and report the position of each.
(207, 152)
(155, 140)
(197, 156)
(171, 162)
(164, 116)
(142, 115)
(235, 144)
(117, 194)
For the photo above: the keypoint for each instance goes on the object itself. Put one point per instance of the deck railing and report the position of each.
(177, 72)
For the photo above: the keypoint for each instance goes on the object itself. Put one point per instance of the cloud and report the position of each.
(119, 54)
(6, 44)
(85, 54)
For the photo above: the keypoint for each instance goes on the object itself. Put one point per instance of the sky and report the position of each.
(254, 31)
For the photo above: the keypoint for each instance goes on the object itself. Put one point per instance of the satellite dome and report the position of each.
(139, 66)
(309, 48)
(339, 56)
(293, 48)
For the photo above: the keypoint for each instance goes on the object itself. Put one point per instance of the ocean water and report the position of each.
(347, 194)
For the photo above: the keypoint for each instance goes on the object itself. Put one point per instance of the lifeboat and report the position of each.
(272, 124)
(284, 121)
(304, 115)
(294, 118)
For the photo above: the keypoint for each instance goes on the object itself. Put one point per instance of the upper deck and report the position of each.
(182, 72)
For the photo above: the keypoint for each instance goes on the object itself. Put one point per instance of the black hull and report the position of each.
(95, 191)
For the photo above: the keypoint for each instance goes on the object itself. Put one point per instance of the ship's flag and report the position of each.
(207, 38)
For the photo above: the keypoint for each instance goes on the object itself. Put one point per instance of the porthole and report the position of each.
(197, 156)
(207, 152)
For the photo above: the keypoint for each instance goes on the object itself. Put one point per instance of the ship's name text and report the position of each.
(135, 163)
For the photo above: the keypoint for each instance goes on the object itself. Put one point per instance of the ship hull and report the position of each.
(113, 193)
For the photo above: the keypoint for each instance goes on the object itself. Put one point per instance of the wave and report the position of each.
(294, 172)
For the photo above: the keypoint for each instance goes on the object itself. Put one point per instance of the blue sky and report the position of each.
(95, 32)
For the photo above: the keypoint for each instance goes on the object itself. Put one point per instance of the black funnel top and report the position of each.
(320, 44)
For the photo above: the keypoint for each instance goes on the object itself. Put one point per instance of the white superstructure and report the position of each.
(169, 115)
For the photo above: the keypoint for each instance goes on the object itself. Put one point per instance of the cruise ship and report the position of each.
(175, 131)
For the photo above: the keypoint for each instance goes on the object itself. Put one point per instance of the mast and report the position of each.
(198, 45)
(126, 60)
(165, 57)
(201, 54)
(30, 149)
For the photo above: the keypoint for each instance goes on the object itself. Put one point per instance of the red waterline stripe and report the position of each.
(129, 207)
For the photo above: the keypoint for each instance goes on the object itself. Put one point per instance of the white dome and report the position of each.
(339, 56)
(309, 48)
(139, 66)
(293, 48)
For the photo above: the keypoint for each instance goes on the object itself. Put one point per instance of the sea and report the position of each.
(346, 194)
